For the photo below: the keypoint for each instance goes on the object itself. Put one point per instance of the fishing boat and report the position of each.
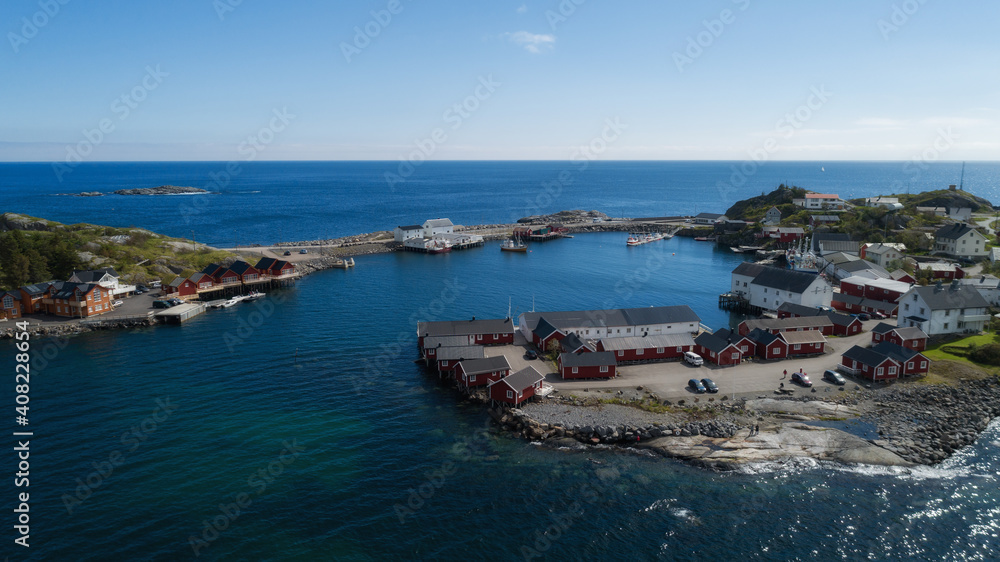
(513, 245)
(438, 247)
(639, 239)
(701, 238)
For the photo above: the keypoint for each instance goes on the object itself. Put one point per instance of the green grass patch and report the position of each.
(957, 350)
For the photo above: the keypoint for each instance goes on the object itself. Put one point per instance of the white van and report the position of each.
(693, 358)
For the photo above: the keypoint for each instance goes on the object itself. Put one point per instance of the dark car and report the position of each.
(530, 354)
(161, 304)
(175, 302)
(834, 377)
(288, 252)
(801, 378)
(864, 317)
(695, 385)
(710, 385)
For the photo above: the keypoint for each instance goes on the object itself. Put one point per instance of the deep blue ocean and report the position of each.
(302, 428)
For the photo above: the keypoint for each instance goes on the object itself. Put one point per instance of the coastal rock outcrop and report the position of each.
(160, 190)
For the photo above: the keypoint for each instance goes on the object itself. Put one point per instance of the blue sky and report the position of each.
(532, 79)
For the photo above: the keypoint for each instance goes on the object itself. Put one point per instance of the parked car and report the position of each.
(175, 302)
(693, 358)
(710, 385)
(288, 252)
(161, 304)
(801, 378)
(155, 284)
(116, 304)
(303, 251)
(142, 288)
(834, 377)
(864, 316)
(879, 315)
(696, 386)
(530, 354)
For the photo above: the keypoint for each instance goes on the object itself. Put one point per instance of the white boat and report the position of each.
(254, 296)
(513, 245)
(230, 302)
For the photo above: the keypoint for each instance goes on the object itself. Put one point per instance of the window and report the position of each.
(776, 350)
(892, 370)
(604, 368)
(743, 348)
(946, 325)
(510, 394)
(947, 313)
(922, 310)
(628, 330)
(576, 369)
(8, 302)
(914, 297)
(659, 350)
(621, 353)
(923, 364)
(906, 306)
(797, 347)
(878, 371)
(97, 294)
(639, 351)
(90, 309)
(736, 356)
(444, 363)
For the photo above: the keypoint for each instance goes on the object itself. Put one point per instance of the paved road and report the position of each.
(669, 380)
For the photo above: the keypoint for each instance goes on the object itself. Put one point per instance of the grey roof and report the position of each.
(865, 356)
(177, 282)
(881, 306)
(36, 289)
(840, 319)
(838, 258)
(826, 218)
(712, 342)
(862, 265)
(818, 237)
(840, 246)
(431, 342)
(67, 290)
(572, 342)
(16, 295)
(785, 279)
(953, 231)
(749, 269)
(883, 328)
(910, 333)
(460, 352)
(711, 216)
(435, 223)
(411, 227)
(895, 351)
(94, 275)
(808, 336)
(522, 379)
(799, 309)
(266, 263)
(648, 342)
(594, 359)
(952, 295)
(485, 365)
(544, 329)
(762, 336)
(198, 277)
(898, 274)
(613, 317)
(465, 327)
(783, 324)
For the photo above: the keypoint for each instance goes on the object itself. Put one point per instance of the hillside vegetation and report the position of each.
(34, 250)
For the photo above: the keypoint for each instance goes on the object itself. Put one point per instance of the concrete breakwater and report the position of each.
(59, 330)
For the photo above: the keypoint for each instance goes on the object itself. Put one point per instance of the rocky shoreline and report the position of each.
(916, 424)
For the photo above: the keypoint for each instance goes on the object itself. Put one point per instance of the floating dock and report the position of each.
(181, 313)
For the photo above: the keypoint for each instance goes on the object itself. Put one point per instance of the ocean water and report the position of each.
(264, 202)
(300, 428)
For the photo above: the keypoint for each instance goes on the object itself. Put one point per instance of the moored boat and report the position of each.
(513, 245)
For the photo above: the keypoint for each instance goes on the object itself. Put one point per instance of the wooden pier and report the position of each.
(736, 303)
(230, 290)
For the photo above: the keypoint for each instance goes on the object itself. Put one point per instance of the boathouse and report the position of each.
(843, 324)
(870, 364)
(768, 346)
(746, 345)
(717, 350)
(516, 388)
(638, 349)
(181, 287)
(483, 332)
(481, 372)
(275, 267)
(808, 342)
(433, 343)
(911, 362)
(614, 323)
(905, 336)
(544, 333)
(793, 324)
(596, 365)
(449, 357)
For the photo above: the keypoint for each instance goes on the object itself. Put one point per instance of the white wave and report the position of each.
(660, 504)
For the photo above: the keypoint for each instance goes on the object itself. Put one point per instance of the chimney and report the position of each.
(939, 286)
(954, 285)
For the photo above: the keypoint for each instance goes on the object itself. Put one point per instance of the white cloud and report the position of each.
(532, 42)
(881, 123)
(523, 8)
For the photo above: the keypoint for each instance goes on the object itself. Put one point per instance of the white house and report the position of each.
(820, 201)
(433, 227)
(890, 203)
(883, 253)
(107, 278)
(772, 216)
(960, 240)
(403, 233)
(770, 287)
(960, 213)
(944, 309)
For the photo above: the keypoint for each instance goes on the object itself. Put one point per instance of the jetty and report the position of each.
(738, 304)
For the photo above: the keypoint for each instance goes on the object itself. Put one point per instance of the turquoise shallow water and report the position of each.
(312, 419)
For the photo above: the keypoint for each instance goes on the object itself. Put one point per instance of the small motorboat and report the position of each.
(230, 302)
(254, 296)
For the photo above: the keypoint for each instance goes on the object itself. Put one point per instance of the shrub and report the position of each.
(988, 354)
